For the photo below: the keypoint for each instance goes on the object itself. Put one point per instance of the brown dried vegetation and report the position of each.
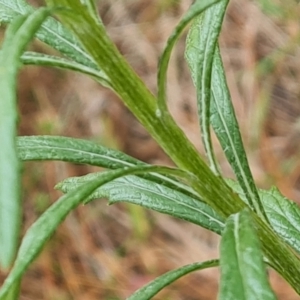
(103, 252)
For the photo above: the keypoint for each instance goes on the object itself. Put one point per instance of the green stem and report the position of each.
(142, 103)
(169, 136)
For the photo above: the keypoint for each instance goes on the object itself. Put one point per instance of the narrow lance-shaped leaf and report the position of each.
(152, 288)
(37, 235)
(196, 8)
(281, 258)
(226, 127)
(222, 116)
(51, 33)
(17, 37)
(166, 171)
(151, 195)
(243, 272)
(9, 165)
(72, 150)
(39, 59)
(86, 152)
(10, 9)
(212, 189)
(200, 48)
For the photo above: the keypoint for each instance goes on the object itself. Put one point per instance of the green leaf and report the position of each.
(150, 195)
(51, 32)
(200, 49)
(72, 150)
(9, 9)
(131, 89)
(14, 291)
(38, 234)
(85, 152)
(221, 115)
(243, 272)
(283, 214)
(197, 8)
(33, 58)
(93, 10)
(226, 127)
(17, 36)
(186, 176)
(142, 103)
(39, 148)
(95, 40)
(151, 289)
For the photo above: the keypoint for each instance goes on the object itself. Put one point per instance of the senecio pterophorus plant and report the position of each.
(258, 228)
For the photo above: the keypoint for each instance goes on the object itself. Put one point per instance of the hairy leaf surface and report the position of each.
(283, 214)
(51, 32)
(213, 94)
(39, 59)
(151, 195)
(85, 152)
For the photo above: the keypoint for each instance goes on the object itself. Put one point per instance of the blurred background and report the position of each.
(107, 252)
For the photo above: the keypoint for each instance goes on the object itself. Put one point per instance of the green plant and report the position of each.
(259, 228)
